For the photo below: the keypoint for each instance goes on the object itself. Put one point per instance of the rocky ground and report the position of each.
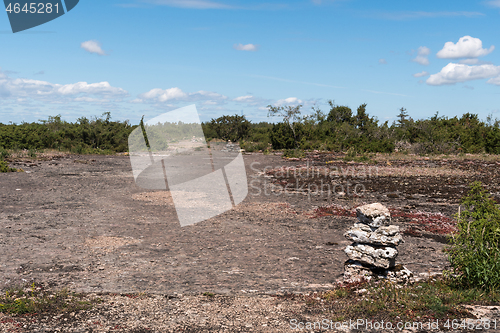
(81, 222)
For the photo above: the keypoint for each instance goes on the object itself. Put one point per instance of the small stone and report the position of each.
(399, 274)
(375, 215)
(354, 271)
(386, 235)
(377, 256)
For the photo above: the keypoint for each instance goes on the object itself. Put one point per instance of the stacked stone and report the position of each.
(373, 252)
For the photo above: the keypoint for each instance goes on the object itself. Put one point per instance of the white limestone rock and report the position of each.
(354, 271)
(377, 256)
(385, 235)
(399, 274)
(375, 215)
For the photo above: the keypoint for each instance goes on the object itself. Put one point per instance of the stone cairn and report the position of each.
(373, 253)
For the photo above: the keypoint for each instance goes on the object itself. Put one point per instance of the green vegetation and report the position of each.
(35, 299)
(352, 155)
(4, 167)
(340, 129)
(99, 135)
(293, 153)
(474, 254)
(475, 251)
(234, 128)
(437, 298)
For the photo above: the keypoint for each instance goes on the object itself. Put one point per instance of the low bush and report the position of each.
(475, 251)
(4, 167)
(294, 153)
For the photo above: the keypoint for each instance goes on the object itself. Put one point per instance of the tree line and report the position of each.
(338, 129)
(341, 129)
(97, 135)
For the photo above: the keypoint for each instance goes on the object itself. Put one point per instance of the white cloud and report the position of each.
(466, 47)
(422, 54)
(175, 94)
(493, 3)
(207, 94)
(56, 93)
(210, 102)
(382, 61)
(453, 73)
(92, 46)
(289, 101)
(247, 47)
(195, 4)
(246, 98)
(421, 74)
(101, 88)
(495, 81)
(474, 61)
(88, 99)
(161, 95)
(469, 61)
(253, 101)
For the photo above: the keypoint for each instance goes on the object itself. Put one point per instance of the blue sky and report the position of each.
(146, 57)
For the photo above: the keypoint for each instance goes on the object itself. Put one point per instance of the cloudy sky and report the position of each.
(146, 57)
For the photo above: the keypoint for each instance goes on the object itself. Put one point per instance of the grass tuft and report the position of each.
(35, 299)
(437, 298)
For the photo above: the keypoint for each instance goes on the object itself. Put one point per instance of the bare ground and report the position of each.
(80, 222)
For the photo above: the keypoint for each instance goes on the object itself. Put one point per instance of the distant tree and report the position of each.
(232, 128)
(316, 118)
(339, 114)
(290, 115)
(144, 134)
(363, 121)
(402, 117)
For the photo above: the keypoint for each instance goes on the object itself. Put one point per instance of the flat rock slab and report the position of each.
(383, 256)
(386, 235)
(355, 271)
(374, 215)
(81, 222)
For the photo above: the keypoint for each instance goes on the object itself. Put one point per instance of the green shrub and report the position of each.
(294, 153)
(32, 153)
(4, 167)
(54, 133)
(232, 128)
(474, 254)
(254, 146)
(281, 137)
(352, 155)
(4, 154)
